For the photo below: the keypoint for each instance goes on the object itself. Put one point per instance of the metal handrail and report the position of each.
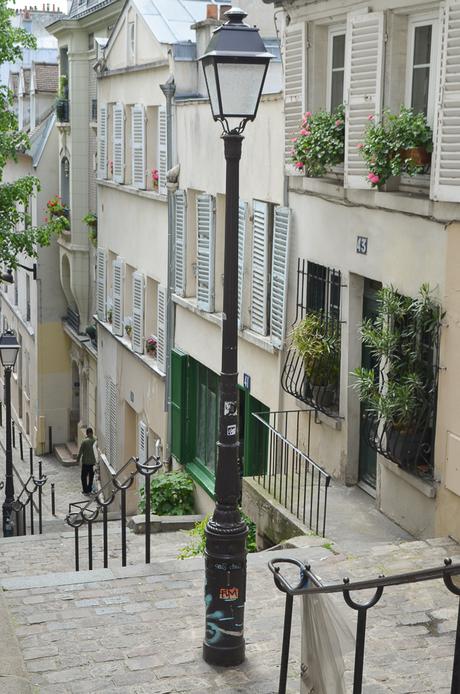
(310, 584)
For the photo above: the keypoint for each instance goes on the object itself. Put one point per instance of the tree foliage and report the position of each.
(16, 234)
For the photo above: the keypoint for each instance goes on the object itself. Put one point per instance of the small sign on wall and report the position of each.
(247, 381)
(361, 245)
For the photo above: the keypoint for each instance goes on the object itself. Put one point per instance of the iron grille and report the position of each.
(73, 319)
(312, 375)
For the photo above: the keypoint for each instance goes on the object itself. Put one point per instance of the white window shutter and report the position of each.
(143, 443)
(363, 88)
(101, 283)
(205, 252)
(118, 143)
(242, 219)
(162, 150)
(102, 142)
(259, 299)
(280, 267)
(180, 242)
(295, 68)
(113, 459)
(138, 313)
(161, 329)
(117, 292)
(446, 157)
(138, 146)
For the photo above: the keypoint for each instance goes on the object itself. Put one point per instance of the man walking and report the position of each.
(88, 461)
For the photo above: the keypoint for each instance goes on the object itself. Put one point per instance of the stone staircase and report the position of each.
(66, 453)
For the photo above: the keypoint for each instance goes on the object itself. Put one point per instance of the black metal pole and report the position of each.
(105, 536)
(123, 526)
(32, 529)
(53, 500)
(225, 555)
(286, 644)
(1, 414)
(90, 546)
(40, 507)
(456, 669)
(8, 524)
(13, 428)
(147, 518)
(77, 551)
(21, 448)
(50, 439)
(31, 461)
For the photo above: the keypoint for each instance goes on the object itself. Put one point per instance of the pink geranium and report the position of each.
(339, 123)
(373, 178)
(299, 165)
(304, 132)
(370, 116)
(360, 146)
(294, 139)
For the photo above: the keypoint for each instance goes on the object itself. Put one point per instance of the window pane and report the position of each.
(202, 421)
(338, 51)
(337, 89)
(422, 45)
(420, 87)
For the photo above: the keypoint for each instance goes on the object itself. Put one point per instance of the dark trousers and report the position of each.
(87, 476)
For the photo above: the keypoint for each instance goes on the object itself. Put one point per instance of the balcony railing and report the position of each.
(287, 472)
(62, 110)
(73, 319)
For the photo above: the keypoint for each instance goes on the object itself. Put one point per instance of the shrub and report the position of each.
(196, 547)
(171, 494)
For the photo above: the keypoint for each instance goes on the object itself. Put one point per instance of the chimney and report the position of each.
(223, 9)
(211, 12)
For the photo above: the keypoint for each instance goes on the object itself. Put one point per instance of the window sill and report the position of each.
(260, 341)
(202, 476)
(127, 344)
(127, 188)
(428, 489)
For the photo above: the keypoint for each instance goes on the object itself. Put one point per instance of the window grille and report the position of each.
(313, 375)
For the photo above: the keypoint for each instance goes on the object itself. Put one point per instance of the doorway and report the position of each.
(367, 454)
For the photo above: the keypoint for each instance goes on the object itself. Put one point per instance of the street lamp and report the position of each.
(235, 65)
(9, 348)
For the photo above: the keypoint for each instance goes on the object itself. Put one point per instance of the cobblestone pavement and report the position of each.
(139, 630)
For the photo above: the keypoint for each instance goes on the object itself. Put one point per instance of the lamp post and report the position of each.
(9, 348)
(235, 65)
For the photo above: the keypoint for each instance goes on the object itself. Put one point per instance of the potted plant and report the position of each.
(317, 340)
(155, 178)
(320, 143)
(109, 314)
(128, 326)
(59, 213)
(397, 144)
(396, 392)
(151, 346)
(90, 220)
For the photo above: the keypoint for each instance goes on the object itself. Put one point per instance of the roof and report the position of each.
(170, 20)
(39, 137)
(46, 77)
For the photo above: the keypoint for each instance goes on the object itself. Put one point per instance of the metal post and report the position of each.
(286, 644)
(24, 518)
(50, 439)
(13, 431)
(147, 518)
(31, 461)
(123, 526)
(105, 536)
(1, 414)
(40, 528)
(77, 551)
(225, 555)
(21, 449)
(8, 524)
(53, 499)
(90, 546)
(32, 529)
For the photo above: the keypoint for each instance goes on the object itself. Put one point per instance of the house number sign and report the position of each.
(361, 245)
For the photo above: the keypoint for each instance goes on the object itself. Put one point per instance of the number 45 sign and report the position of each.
(361, 245)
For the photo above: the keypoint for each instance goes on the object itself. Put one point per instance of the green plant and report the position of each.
(196, 547)
(318, 341)
(109, 314)
(171, 494)
(90, 219)
(401, 340)
(320, 143)
(63, 82)
(387, 144)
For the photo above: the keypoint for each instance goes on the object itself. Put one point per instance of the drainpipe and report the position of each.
(169, 90)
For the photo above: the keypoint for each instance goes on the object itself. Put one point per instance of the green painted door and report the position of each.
(253, 435)
(367, 455)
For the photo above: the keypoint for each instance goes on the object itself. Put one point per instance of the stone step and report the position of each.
(72, 448)
(64, 455)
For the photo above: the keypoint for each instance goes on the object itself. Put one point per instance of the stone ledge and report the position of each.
(164, 524)
(428, 489)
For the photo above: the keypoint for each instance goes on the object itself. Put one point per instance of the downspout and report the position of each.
(169, 90)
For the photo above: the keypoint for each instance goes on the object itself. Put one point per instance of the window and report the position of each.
(323, 290)
(421, 59)
(94, 110)
(207, 409)
(131, 41)
(336, 68)
(90, 41)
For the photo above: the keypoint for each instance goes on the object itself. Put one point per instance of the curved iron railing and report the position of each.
(309, 584)
(88, 511)
(25, 498)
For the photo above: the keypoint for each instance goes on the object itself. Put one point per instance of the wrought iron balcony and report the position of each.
(73, 319)
(62, 111)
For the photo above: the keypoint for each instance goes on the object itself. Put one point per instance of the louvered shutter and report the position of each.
(363, 88)
(242, 217)
(295, 56)
(161, 329)
(118, 143)
(280, 261)
(259, 268)
(162, 151)
(143, 442)
(102, 142)
(117, 292)
(446, 158)
(205, 252)
(107, 417)
(101, 284)
(138, 146)
(138, 313)
(113, 425)
(180, 242)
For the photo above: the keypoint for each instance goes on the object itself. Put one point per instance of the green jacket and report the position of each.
(86, 452)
